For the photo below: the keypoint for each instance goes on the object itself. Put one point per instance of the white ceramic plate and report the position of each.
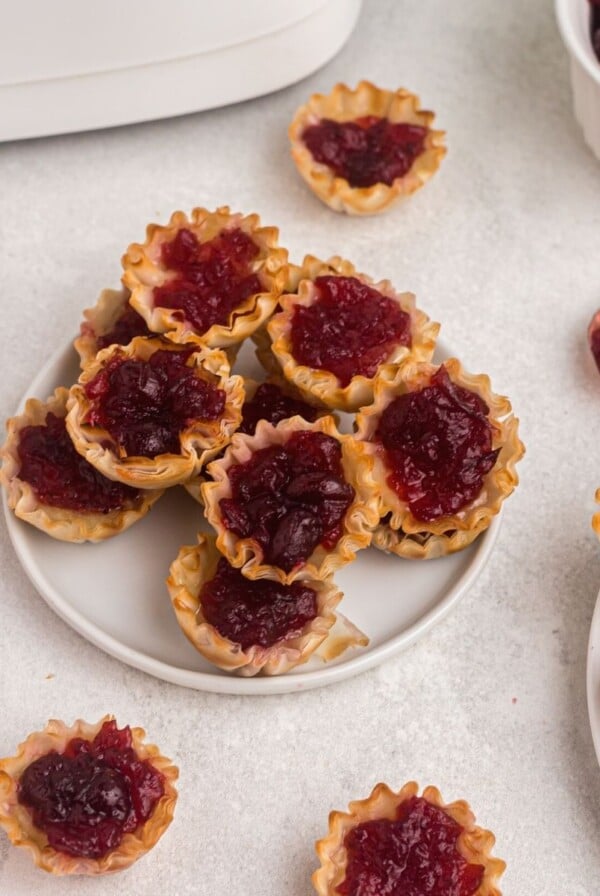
(114, 593)
(593, 677)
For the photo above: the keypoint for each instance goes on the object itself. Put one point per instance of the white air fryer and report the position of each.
(74, 65)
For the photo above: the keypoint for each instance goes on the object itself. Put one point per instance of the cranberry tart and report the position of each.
(291, 501)
(210, 279)
(360, 150)
(151, 413)
(248, 625)
(50, 486)
(89, 799)
(402, 843)
(112, 321)
(338, 334)
(444, 450)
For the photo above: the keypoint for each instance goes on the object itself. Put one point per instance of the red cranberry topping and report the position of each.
(415, 855)
(60, 477)
(365, 151)
(594, 338)
(256, 612)
(290, 498)
(438, 445)
(270, 403)
(213, 277)
(128, 325)
(349, 330)
(595, 26)
(87, 798)
(145, 405)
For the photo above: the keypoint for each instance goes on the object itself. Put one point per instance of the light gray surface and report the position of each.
(502, 247)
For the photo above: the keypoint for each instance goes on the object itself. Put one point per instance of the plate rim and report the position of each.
(592, 646)
(216, 682)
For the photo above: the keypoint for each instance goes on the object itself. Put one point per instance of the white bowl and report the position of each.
(574, 23)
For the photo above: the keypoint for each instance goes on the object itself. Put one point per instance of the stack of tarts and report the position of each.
(429, 459)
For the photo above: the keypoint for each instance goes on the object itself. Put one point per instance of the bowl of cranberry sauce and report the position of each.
(579, 24)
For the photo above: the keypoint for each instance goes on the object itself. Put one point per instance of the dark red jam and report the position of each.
(349, 330)
(128, 325)
(438, 446)
(594, 338)
(290, 498)
(415, 855)
(145, 405)
(595, 26)
(60, 477)
(366, 151)
(256, 612)
(213, 278)
(87, 798)
(270, 403)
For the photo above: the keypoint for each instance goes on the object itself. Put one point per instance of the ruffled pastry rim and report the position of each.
(194, 486)
(58, 522)
(17, 822)
(311, 268)
(475, 844)
(596, 516)
(405, 535)
(200, 442)
(324, 386)
(194, 566)
(144, 271)
(346, 104)
(98, 320)
(245, 553)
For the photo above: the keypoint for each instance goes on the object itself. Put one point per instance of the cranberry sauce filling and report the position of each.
(213, 278)
(127, 326)
(365, 151)
(290, 498)
(87, 798)
(270, 403)
(415, 855)
(438, 446)
(594, 338)
(595, 26)
(60, 477)
(349, 330)
(256, 612)
(145, 405)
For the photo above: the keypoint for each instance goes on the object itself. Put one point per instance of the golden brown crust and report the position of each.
(475, 844)
(144, 271)
(346, 104)
(199, 443)
(318, 385)
(596, 517)
(247, 553)
(195, 565)
(18, 824)
(60, 523)
(402, 533)
(100, 320)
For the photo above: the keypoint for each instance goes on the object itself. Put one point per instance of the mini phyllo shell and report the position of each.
(49, 485)
(112, 321)
(210, 279)
(292, 501)
(151, 413)
(64, 842)
(444, 449)
(339, 334)
(401, 842)
(359, 150)
(244, 625)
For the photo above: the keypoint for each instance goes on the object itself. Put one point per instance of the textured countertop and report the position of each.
(502, 248)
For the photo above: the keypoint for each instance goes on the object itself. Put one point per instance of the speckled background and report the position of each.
(502, 247)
